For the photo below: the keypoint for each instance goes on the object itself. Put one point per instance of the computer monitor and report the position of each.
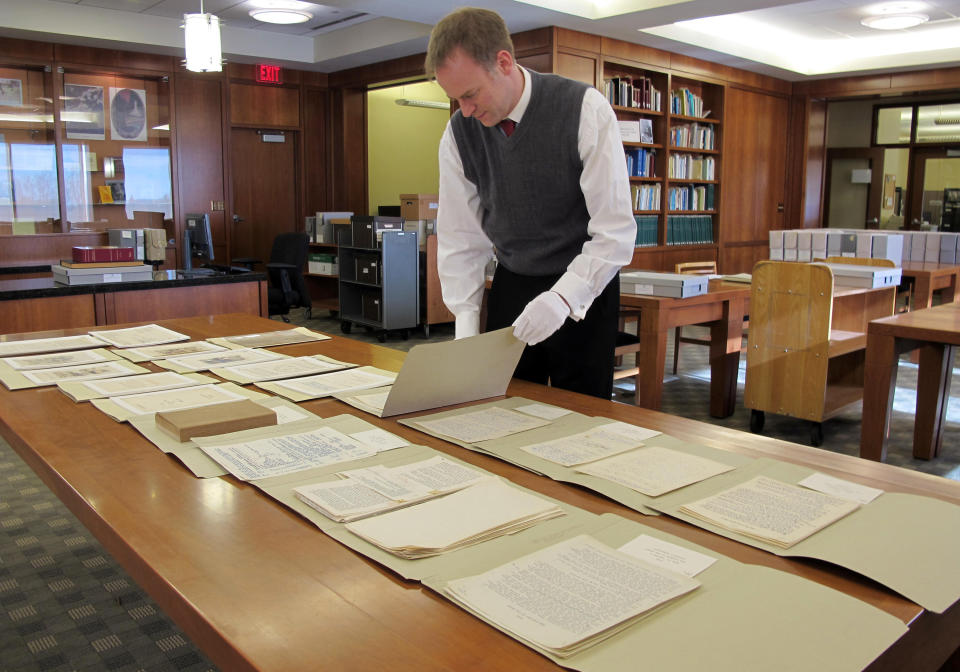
(197, 239)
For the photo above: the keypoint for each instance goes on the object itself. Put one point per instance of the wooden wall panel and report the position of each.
(576, 66)
(264, 105)
(316, 183)
(28, 51)
(45, 248)
(754, 166)
(42, 314)
(200, 151)
(656, 58)
(741, 258)
(114, 59)
(139, 306)
(815, 164)
(349, 150)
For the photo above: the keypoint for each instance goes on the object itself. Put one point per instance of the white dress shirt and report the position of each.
(464, 250)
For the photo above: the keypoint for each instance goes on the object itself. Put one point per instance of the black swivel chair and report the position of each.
(287, 289)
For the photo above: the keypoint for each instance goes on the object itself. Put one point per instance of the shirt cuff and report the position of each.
(576, 293)
(467, 324)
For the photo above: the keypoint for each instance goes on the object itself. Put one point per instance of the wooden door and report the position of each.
(754, 141)
(934, 189)
(264, 190)
(853, 199)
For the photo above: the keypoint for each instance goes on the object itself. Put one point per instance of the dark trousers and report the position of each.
(579, 356)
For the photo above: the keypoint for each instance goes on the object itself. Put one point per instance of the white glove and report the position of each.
(467, 324)
(541, 318)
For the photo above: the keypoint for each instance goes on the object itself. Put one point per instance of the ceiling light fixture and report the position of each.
(280, 15)
(893, 21)
(414, 102)
(201, 35)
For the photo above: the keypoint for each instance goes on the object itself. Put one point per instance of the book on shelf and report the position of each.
(117, 191)
(638, 92)
(692, 197)
(646, 230)
(645, 196)
(689, 229)
(640, 162)
(105, 194)
(646, 130)
(692, 167)
(685, 102)
(693, 136)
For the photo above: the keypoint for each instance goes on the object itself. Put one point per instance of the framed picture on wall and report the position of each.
(11, 92)
(83, 111)
(128, 114)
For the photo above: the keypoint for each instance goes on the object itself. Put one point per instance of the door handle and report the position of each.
(237, 219)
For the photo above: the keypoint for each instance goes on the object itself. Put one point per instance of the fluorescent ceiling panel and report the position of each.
(601, 9)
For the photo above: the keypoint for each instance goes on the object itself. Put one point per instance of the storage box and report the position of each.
(888, 246)
(232, 416)
(94, 276)
(127, 238)
(677, 285)
(858, 275)
(367, 268)
(948, 248)
(368, 230)
(370, 306)
(326, 222)
(422, 227)
(419, 206)
(88, 254)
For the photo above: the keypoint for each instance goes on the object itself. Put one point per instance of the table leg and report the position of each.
(922, 292)
(933, 392)
(879, 384)
(726, 336)
(650, 358)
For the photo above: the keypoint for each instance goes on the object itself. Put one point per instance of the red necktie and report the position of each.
(507, 126)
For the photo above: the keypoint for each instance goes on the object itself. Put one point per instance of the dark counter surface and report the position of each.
(32, 288)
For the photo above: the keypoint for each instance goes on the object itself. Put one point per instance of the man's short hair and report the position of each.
(479, 32)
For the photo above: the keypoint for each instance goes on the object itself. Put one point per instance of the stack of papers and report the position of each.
(275, 370)
(771, 511)
(484, 511)
(655, 470)
(360, 493)
(593, 444)
(488, 423)
(210, 360)
(56, 344)
(134, 384)
(569, 596)
(271, 338)
(154, 352)
(132, 337)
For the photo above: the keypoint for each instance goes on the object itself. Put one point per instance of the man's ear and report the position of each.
(504, 62)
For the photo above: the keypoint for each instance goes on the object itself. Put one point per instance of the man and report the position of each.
(550, 195)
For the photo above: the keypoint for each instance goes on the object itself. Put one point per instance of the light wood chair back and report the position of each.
(861, 261)
(696, 267)
(788, 345)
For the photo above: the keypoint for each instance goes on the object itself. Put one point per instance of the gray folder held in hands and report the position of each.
(454, 372)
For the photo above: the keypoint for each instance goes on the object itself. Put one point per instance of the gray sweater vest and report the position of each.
(529, 184)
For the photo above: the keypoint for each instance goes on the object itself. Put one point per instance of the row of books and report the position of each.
(689, 229)
(646, 230)
(693, 136)
(686, 102)
(690, 167)
(645, 196)
(691, 197)
(632, 92)
(640, 162)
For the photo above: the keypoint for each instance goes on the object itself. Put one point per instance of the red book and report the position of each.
(92, 253)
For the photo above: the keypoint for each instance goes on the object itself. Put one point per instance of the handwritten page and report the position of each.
(173, 400)
(771, 511)
(108, 369)
(285, 368)
(593, 444)
(380, 439)
(487, 423)
(483, 511)
(168, 350)
(275, 456)
(132, 337)
(325, 384)
(631, 431)
(838, 487)
(56, 359)
(655, 470)
(569, 596)
(671, 557)
(205, 361)
(545, 411)
(56, 344)
(146, 382)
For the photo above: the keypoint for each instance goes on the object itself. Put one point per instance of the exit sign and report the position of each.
(269, 74)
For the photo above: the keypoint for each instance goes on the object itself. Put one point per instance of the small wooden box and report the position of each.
(232, 416)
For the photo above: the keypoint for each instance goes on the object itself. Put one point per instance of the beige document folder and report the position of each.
(454, 372)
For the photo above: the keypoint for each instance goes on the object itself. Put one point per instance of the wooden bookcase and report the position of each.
(684, 164)
(324, 291)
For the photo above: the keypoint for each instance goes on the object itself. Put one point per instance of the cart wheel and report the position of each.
(816, 435)
(756, 421)
(382, 337)
(345, 326)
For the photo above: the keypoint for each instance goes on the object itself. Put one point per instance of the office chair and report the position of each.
(287, 287)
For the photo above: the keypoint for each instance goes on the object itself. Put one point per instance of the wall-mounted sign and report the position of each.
(269, 74)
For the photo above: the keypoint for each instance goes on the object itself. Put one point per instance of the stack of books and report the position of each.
(91, 265)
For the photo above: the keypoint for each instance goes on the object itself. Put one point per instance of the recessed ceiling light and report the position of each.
(278, 15)
(893, 21)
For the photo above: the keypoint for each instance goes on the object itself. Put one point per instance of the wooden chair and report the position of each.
(797, 365)
(694, 268)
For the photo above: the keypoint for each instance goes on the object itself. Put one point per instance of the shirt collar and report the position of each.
(517, 112)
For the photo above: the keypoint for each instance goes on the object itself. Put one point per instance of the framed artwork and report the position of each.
(11, 92)
(646, 130)
(128, 114)
(83, 111)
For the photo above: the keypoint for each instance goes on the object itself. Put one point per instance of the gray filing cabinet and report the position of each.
(379, 283)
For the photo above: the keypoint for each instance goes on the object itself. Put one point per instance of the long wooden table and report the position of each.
(929, 277)
(257, 587)
(936, 333)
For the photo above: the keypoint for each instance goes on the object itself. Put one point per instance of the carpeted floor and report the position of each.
(66, 606)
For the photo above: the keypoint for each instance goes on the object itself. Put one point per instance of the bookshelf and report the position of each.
(675, 177)
(324, 291)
